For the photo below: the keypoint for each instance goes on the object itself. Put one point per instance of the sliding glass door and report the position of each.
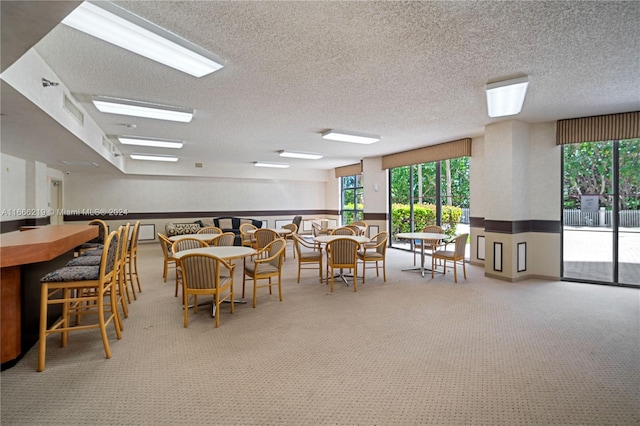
(601, 212)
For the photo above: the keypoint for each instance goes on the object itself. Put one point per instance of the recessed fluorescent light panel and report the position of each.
(150, 157)
(275, 165)
(141, 109)
(353, 137)
(156, 143)
(305, 155)
(506, 97)
(115, 25)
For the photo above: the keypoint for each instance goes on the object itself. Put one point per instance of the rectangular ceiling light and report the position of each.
(353, 137)
(155, 142)
(115, 25)
(153, 157)
(506, 97)
(305, 155)
(276, 165)
(141, 109)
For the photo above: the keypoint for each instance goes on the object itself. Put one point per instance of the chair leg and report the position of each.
(42, 346)
(455, 270)
(355, 277)
(464, 269)
(364, 269)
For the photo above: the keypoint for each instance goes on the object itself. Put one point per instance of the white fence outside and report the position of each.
(575, 217)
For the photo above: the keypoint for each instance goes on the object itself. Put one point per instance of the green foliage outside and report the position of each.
(588, 170)
(347, 213)
(424, 215)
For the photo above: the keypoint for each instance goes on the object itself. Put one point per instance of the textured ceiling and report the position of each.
(412, 72)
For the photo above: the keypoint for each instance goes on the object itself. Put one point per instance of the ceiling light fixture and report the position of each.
(141, 109)
(275, 165)
(305, 155)
(153, 157)
(353, 137)
(154, 142)
(115, 25)
(506, 97)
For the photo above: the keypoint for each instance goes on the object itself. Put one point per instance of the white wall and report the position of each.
(139, 194)
(14, 187)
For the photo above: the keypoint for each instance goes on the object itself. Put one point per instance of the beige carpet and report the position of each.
(413, 351)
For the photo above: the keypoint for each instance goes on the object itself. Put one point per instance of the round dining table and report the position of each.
(223, 252)
(421, 236)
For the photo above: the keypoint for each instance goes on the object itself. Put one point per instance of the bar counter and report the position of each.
(25, 257)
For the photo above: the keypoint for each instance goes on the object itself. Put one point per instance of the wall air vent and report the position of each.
(72, 109)
(198, 165)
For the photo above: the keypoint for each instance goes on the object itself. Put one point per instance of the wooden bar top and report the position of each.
(41, 244)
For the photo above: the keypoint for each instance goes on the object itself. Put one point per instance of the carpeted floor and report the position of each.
(411, 351)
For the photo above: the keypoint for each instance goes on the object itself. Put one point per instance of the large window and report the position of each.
(352, 208)
(434, 193)
(601, 212)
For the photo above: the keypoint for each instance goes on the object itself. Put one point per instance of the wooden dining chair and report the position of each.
(343, 230)
(376, 251)
(429, 245)
(165, 244)
(455, 255)
(266, 266)
(289, 238)
(247, 239)
(308, 253)
(210, 230)
(265, 236)
(185, 243)
(225, 239)
(342, 253)
(206, 274)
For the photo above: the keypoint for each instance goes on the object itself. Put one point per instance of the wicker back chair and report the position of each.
(308, 253)
(376, 251)
(225, 239)
(182, 244)
(265, 266)
(344, 230)
(430, 245)
(342, 253)
(210, 230)
(455, 255)
(206, 274)
(247, 239)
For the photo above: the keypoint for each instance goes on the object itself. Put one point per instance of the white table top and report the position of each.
(202, 237)
(421, 235)
(327, 238)
(224, 252)
(280, 231)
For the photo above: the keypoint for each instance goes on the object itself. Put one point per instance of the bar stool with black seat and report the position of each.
(98, 242)
(122, 292)
(81, 290)
(131, 264)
